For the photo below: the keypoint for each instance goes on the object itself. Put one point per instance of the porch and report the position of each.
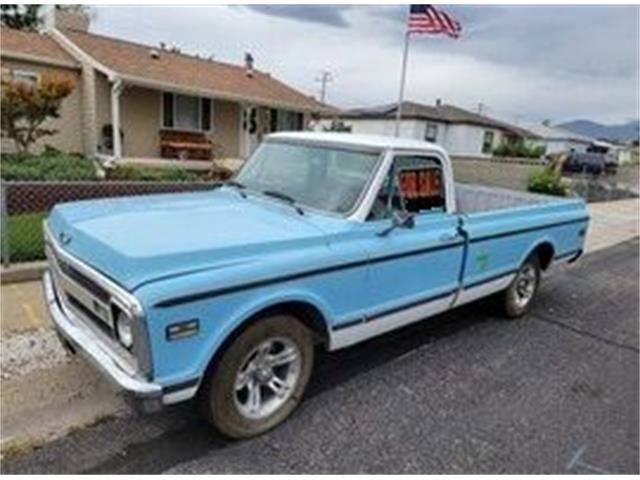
(164, 127)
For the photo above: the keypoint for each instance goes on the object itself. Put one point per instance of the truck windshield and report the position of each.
(322, 177)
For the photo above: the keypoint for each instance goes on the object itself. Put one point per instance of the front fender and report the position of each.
(250, 309)
(185, 359)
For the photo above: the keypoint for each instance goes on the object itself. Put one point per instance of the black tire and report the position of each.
(218, 399)
(512, 303)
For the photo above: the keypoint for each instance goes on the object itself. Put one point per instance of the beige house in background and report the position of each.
(26, 56)
(159, 100)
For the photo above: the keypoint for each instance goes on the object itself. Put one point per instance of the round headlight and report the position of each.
(124, 329)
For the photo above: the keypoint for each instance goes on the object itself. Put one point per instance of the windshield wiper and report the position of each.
(283, 196)
(235, 184)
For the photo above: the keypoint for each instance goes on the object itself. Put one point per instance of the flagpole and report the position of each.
(403, 77)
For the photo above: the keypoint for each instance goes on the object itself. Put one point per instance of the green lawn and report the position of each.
(25, 237)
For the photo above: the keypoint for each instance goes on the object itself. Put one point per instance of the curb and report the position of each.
(25, 272)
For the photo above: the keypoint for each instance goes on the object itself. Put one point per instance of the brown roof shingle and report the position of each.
(18, 43)
(134, 61)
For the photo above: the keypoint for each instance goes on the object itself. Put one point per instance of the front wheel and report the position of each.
(260, 378)
(517, 299)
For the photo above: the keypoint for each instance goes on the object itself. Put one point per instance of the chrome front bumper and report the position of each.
(82, 339)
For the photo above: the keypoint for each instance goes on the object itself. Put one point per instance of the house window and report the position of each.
(288, 121)
(25, 76)
(487, 143)
(431, 132)
(186, 112)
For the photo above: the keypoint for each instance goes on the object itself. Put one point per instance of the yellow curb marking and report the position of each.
(31, 316)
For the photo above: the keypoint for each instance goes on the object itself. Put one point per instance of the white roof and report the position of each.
(356, 139)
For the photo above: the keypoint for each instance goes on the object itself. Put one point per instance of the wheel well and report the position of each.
(308, 314)
(545, 253)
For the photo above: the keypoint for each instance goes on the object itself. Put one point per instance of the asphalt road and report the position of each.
(467, 392)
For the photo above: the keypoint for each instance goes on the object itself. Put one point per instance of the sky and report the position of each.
(522, 63)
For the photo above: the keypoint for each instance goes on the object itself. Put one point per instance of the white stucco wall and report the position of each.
(457, 139)
(563, 146)
(408, 128)
(467, 140)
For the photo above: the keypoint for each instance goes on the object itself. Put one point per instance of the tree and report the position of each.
(27, 106)
(21, 17)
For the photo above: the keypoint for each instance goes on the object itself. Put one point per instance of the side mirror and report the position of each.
(399, 220)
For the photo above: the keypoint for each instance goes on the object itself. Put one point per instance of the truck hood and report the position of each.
(136, 240)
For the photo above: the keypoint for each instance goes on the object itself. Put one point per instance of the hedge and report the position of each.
(50, 166)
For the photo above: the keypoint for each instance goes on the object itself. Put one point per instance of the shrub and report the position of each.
(49, 166)
(143, 173)
(519, 148)
(547, 182)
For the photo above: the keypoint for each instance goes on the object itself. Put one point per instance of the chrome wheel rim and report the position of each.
(267, 378)
(525, 285)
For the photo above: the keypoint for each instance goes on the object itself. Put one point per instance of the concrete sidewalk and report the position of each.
(612, 223)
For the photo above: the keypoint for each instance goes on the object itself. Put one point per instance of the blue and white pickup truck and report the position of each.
(322, 240)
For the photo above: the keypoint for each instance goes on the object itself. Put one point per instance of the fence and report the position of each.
(514, 176)
(24, 205)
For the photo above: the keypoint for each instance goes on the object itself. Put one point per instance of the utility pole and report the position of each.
(324, 79)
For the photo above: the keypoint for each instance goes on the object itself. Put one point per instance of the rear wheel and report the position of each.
(517, 299)
(260, 378)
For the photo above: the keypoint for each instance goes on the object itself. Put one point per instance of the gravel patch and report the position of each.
(25, 352)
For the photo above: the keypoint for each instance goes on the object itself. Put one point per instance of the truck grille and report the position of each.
(89, 302)
(83, 280)
(94, 300)
(81, 294)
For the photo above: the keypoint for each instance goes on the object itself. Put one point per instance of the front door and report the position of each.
(414, 270)
(250, 130)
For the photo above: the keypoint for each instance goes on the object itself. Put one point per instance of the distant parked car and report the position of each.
(595, 163)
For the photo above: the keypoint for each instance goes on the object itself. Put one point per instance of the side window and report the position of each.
(25, 76)
(413, 184)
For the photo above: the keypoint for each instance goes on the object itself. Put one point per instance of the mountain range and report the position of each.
(620, 132)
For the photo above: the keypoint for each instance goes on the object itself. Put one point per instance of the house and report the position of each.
(461, 132)
(163, 103)
(558, 140)
(26, 56)
(629, 153)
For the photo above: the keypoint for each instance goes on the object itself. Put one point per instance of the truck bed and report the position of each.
(477, 198)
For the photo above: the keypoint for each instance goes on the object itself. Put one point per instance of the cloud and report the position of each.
(529, 63)
(332, 15)
(583, 39)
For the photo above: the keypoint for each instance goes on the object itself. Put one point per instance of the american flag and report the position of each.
(428, 19)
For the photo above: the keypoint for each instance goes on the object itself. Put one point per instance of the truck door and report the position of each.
(414, 267)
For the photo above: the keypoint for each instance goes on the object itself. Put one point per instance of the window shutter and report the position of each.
(167, 110)
(205, 121)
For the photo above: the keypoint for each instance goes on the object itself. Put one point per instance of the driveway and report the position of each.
(467, 392)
